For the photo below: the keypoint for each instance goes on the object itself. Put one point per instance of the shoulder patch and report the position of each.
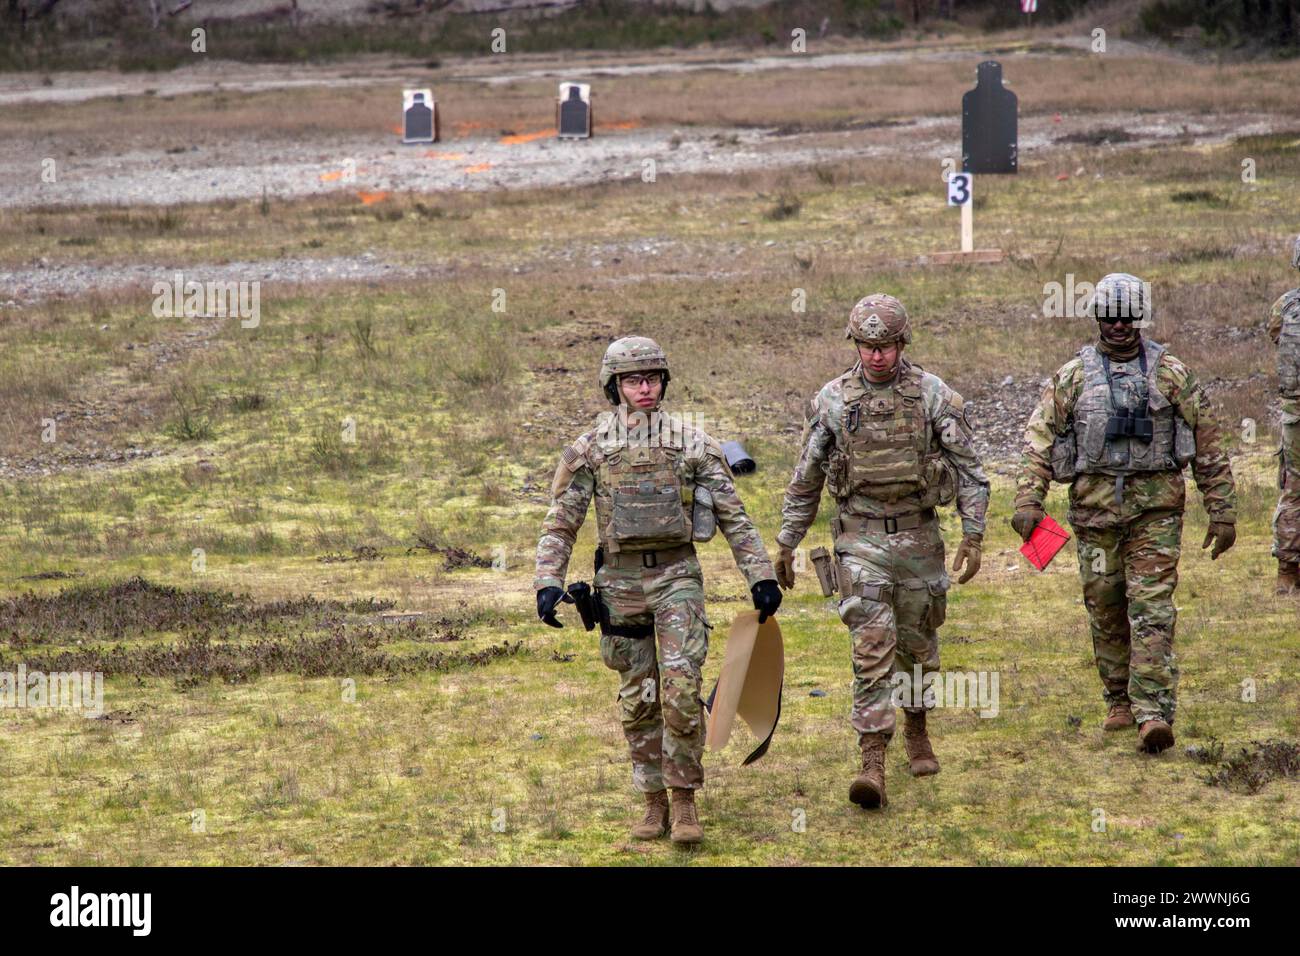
(571, 459)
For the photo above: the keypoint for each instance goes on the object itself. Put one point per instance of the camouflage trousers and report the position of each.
(1286, 519)
(659, 696)
(893, 597)
(1129, 574)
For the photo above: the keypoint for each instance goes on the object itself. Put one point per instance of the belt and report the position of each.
(648, 559)
(842, 523)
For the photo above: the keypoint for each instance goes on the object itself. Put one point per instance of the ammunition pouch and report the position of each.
(1184, 442)
(837, 475)
(826, 567)
(940, 482)
(704, 523)
(1065, 452)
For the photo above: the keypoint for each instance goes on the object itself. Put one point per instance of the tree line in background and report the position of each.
(155, 34)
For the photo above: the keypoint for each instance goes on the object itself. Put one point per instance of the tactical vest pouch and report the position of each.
(837, 475)
(1288, 350)
(940, 482)
(1064, 452)
(1184, 442)
(885, 466)
(648, 511)
(704, 523)
(825, 566)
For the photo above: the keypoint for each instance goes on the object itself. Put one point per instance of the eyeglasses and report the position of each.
(636, 381)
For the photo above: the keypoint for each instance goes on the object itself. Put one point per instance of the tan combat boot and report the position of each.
(922, 761)
(655, 823)
(1118, 717)
(1288, 577)
(868, 787)
(686, 825)
(1155, 736)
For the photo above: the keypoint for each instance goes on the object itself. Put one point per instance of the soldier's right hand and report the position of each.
(1026, 519)
(547, 599)
(785, 568)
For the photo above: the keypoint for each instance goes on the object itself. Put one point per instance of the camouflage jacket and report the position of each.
(950, 435)
(1290, 405)
(701, 464)
(1092, 496)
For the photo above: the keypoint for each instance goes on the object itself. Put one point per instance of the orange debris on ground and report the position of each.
(480, 167)
(518, 138)
(369, 199)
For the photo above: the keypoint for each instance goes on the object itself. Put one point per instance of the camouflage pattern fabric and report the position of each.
(1130, 392)
(893, 602)
(1129, 574)
(949, 427)
(879, 319)
(894, 586)
(1286, 519)
(699, 462)
(1129, 547)
(665, 733)
(1093, 501)
(659, 699)
(1284, 330)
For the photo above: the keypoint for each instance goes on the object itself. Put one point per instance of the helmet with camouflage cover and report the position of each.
(633, 353)
(879, 319)
(1295, 253)
(1120, 295)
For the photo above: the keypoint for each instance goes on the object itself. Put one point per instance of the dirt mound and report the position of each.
(138, 607)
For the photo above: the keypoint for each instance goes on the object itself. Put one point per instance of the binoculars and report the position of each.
(1125, 424)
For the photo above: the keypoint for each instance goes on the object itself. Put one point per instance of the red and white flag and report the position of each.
(1028, 6)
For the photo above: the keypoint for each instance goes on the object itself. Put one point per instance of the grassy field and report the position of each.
(263, 727)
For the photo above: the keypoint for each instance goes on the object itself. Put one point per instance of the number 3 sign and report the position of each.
(960, 188)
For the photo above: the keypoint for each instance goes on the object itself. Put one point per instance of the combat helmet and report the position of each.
(1295, 253)
(633, 353)
(1120, 295)
(879, 319)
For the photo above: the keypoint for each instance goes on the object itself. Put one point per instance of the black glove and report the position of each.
(767, 598)
(547, 599)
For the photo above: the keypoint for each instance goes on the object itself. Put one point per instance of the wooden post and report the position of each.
(968, 227)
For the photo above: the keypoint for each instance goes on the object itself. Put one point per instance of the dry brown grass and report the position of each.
(1045, 83)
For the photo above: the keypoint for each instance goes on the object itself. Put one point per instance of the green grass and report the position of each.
(459, 413)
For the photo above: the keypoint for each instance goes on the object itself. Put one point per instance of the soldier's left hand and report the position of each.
(968, 551)
(1223, 535)
(767, 598)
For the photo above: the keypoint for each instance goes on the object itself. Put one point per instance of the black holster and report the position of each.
(593, 611)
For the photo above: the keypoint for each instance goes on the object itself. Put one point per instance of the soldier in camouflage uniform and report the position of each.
(1119, 423)
(659, 484)
(1284, 329)
(889, 441)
